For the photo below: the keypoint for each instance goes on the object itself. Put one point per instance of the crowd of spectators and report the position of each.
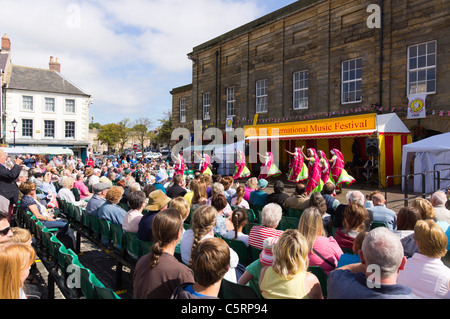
(401, 258)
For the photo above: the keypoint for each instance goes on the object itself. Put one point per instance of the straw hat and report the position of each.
(157, 200)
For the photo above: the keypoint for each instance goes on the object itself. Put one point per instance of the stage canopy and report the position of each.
(37, 150)
(429, 154)
(341, 132)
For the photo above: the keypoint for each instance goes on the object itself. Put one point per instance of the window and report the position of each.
(27, 103)
(49, 128)
(27, 128)
(300, 82)
(70, 106)
(49, 104)
(351, 81)
(422, 68)
(261, 96)
(70, 129)
(206, 105)
(231, 101)
(182, 110)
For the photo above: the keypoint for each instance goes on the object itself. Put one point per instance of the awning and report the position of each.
(37, 150)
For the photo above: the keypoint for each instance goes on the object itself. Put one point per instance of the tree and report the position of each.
(165, 130)
(109, 135)
(94, 125)
(141, 130)
(124, 133)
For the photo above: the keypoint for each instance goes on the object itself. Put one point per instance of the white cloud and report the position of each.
(128, 54)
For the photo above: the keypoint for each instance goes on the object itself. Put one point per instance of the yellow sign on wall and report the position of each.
(363, 122)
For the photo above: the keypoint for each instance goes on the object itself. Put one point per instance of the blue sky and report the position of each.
(128, 54)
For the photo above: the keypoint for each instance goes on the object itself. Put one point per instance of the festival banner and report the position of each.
(416, 106)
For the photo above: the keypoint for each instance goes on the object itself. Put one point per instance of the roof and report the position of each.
(391, 124)
(3, 60)
(41, 80)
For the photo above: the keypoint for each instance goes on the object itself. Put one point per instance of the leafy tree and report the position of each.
(124, 133)
(94, 125)
(109, 135)
(141, 130)
(165, 130)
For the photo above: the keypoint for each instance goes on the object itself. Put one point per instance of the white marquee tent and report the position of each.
(429, 154)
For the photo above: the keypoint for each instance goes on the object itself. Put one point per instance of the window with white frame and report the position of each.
(70, 106)
(261, 96)
(49, 104)
(300, 83)
(49, 128)
(70, 129)
(27, 128)
(182, 110)
(27, 103)
(422, 68)
(351, 81)
(231, 101)
(206, 105)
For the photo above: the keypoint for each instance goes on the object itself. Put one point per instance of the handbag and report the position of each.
(324, 259)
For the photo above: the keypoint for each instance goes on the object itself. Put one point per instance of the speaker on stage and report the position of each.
(372, 147)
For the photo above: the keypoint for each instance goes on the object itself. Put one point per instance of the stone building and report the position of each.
(322, 59)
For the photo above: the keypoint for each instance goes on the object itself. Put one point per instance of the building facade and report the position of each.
(48, 109)
(322, 58)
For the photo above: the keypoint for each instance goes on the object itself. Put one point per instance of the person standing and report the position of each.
(9, 191)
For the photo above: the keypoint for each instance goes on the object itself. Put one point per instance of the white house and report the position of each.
(48, 108)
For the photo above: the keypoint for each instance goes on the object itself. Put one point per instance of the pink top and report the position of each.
(247, 192)
(84, 190)
(329, 249)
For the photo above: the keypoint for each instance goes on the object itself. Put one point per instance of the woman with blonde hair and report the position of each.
(158, 273)
(322, 251)
(425, 208)
(250, 186)
(15, 262)
(288, 277)
(425, 273)
(203, 222)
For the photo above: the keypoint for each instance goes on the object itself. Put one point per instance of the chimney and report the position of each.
(6, 43)
(54, 65)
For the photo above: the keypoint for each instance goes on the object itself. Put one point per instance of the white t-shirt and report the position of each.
(186, 247)
(241, 236)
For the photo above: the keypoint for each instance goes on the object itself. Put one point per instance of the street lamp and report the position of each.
(14, 124)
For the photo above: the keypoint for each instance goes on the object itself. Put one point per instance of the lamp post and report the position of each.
(14, 124)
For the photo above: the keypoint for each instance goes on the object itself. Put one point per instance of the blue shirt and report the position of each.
(384, 215)
(94, 204)
(111, 212)
(343, 284)
(160, 186)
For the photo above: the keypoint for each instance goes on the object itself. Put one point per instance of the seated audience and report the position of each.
(355, 220)
(250, 186)
(159, 273)
(110, 210)
(322, 251)
(178, 187)
(278, 196)
(352, 197)
(238, 200)
(210, 263)
(223, 225)
(298, 200)
(382, 214)
(438, 200)
(137, 202)
(157, 202)
(425, 273)
(353, 258)
(66, 192)
(381, 252)
(239, 218)
(259, 196)
(98, 199)
(288, 277)
(270, 218)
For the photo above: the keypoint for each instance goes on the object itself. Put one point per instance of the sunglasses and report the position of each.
(5, 231)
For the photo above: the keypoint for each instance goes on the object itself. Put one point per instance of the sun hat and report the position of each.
(157, 200)
(266, 255)
(262, 183)
(160, 176)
